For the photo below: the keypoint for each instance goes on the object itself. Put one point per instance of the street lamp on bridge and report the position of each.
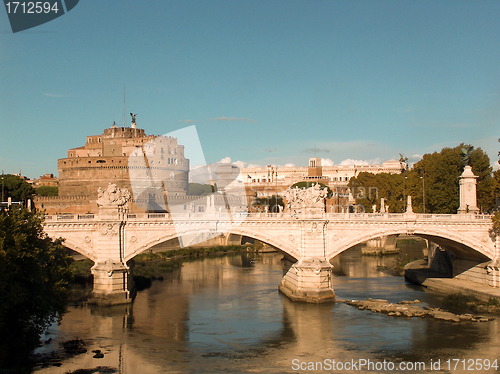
(423, 191)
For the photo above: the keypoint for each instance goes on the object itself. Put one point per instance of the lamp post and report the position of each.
(2, 186)
(276, 190)
(423, 192)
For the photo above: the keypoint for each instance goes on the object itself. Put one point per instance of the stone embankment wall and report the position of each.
(473, 271)
(444, 262)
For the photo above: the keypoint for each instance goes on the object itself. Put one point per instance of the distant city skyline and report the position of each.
(265, 82)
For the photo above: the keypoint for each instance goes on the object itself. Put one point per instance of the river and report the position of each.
(226, 315)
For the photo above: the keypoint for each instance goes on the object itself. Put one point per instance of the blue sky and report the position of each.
(265, 82)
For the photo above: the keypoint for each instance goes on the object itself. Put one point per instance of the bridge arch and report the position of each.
(163, 236)
(79, 246)
(463, 246)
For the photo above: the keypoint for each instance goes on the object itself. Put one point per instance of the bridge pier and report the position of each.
(112, 283)
(309, 280)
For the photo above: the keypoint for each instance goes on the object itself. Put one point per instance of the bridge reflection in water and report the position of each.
(225, 314)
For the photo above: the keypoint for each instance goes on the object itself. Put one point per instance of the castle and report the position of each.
(104, 159)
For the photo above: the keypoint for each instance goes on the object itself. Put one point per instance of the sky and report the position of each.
(264, 82)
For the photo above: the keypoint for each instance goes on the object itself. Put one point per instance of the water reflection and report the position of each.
(225, 314)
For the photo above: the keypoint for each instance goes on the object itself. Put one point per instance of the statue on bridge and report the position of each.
(310, 200)
(112, 196)
(466, 154)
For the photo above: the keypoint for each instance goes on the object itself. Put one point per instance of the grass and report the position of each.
(81, 269)
(472, 303)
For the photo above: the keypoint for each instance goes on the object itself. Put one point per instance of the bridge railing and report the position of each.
(63, 217)
(280, 216)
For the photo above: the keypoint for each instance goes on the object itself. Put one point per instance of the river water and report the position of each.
(226, 315)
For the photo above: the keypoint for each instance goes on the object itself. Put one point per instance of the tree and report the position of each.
(308, 184)
(16, 188)
(34, 277)
(441, 172)
(369, 188)
(47, 191)
(435, 179)
(272, 202)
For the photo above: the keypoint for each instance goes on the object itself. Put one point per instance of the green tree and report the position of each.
(369, 188)
(495, 228)
(434, 178)
(307, 184)
(34, 277)
(441, 172)
(272, 202)
(47, 191)
(16, 188)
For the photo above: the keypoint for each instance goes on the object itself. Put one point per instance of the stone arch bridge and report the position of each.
(308, 241)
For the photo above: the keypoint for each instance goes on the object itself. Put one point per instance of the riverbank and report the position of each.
(418, 272)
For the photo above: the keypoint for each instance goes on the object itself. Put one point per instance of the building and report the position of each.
(47, 180)
(265, 181)
(105, 159)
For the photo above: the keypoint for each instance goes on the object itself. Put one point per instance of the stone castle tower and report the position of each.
(104, 159)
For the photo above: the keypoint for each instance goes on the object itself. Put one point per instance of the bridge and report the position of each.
(308, 240)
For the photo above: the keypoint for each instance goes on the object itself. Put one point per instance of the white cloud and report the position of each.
(414, 158)
(327, 162)
(350, 161)
(187, 120)
(289, 165)
(240, 164)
